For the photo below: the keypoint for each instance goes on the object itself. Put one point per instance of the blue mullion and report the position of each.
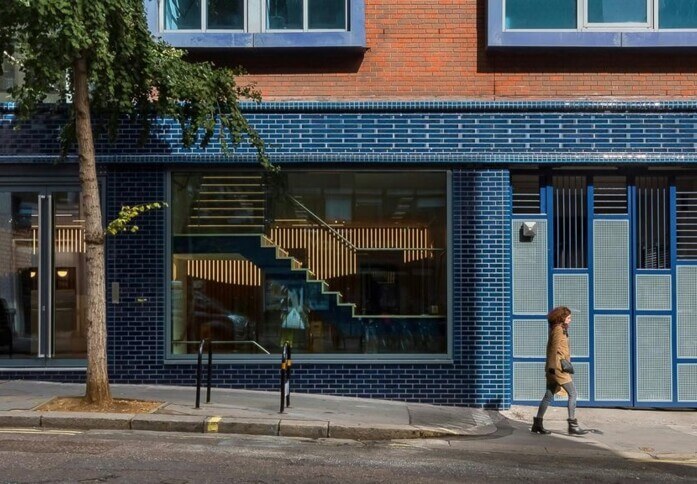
(673, 230)
(591, 292)
(633, 225)
(549, 202)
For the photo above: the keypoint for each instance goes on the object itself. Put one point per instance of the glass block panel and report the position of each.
(284, 14)
(612, 381)
(226, 14)
(182, 14)
(529, 269)
(326, 14)
(572, 291)
(529, 381)
(540, 14)
(687, 311)
(611, 264)
(530, 338)
(687, 383)
(677, 14)
(581, 382)
(617, 11)
(654, 359)
(653, 293)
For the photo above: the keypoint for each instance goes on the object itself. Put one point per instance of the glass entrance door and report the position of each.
(41, 268)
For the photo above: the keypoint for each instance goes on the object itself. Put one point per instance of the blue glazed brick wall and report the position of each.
(496, 132)
(478, 376)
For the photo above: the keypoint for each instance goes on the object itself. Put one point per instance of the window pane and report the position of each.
(617, 11)
(226, 14)
(182, 14)
(677, 14)
(335, 262)
(284, 14)
(540, 14)
(327, 14)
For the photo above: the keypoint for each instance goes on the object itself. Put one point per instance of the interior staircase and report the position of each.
(228, 213)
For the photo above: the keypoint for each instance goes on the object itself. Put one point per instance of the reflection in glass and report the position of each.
(335, 262)
(182, 14)
(69, 293)
(541, 14)
(326, 14)
(617, 11)
(677, 14)
(226, 14)
(284, 14)
(19, 274)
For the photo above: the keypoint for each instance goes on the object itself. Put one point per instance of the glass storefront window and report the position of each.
(335, 262)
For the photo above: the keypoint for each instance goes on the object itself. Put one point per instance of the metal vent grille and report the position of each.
(530, 337)
(611, 263)
(687, 383)
(686, 218)
(528, 381)
(610, 194)
(581, 379)
(529, 270)
(572, 291)
(653, 226)
(526, 194)
(654, 379)
(612, 380)
(653, 293)
(570, 220)
(687, 311)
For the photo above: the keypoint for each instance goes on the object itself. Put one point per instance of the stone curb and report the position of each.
(312, 429)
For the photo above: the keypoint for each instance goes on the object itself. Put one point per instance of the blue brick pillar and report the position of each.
(481, 285)
(136, 261)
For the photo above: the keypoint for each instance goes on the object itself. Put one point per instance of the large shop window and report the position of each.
(334, 262)
(593, 23)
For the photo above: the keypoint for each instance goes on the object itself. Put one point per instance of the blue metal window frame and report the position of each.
(354, 37)
(500, 37)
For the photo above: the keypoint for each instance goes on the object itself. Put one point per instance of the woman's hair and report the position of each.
(558, 315)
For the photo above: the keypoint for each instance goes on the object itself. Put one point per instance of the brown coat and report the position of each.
(557, 349)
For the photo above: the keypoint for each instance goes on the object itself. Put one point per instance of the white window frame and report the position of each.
(650, 24)
(204, 19)
(306, 19)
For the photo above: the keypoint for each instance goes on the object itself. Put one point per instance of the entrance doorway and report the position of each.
(42, 293)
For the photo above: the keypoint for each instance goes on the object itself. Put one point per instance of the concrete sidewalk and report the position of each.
(246, 412)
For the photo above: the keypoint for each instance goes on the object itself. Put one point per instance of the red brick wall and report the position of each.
(423, 49)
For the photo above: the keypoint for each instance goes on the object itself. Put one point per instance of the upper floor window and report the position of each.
(286, 15)
(600, 14)
(204, 14)
(258, 23)
(593, 23)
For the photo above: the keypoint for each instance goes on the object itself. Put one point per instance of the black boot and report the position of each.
(574, 429)
(537, 427)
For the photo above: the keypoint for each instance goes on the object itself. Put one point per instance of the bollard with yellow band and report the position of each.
(286, 363)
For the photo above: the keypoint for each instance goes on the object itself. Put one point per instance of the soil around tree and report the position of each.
(118, 405)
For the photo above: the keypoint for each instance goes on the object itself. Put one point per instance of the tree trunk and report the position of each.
(98, 391)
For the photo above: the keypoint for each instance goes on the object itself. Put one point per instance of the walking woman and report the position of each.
(558, 370)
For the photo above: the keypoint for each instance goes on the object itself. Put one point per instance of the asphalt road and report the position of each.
(510, 455)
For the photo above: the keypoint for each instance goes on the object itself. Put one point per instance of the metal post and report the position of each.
(283, 377)
(198, 374)
(289, 362)
(210, 370)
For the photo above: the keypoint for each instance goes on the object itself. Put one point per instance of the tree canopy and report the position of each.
(129, 72)
(99, 57)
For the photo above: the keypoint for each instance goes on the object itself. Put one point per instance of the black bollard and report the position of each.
(199, 370)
